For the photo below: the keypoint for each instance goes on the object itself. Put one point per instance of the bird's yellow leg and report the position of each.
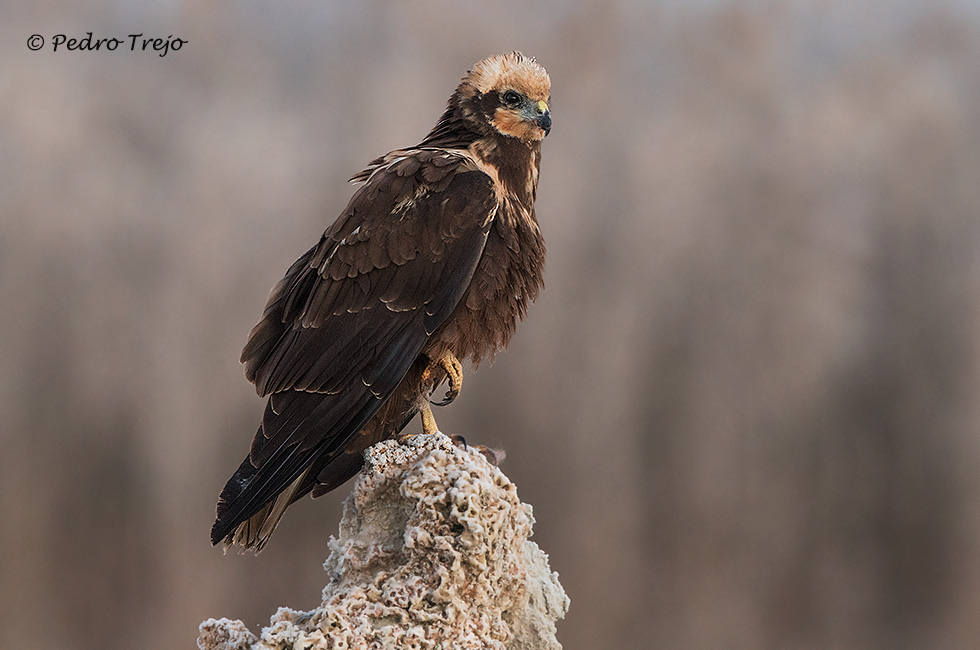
(450, 365)
(428, 423)
(428, 420)
(431, 376)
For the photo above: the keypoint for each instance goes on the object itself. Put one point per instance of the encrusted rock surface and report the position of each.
(433, 552)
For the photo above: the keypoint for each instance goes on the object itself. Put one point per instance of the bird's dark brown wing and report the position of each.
(346, 322)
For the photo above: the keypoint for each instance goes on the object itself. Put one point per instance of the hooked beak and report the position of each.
(541, 116)
(544, 121)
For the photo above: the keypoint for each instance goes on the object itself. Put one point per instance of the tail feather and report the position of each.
(310, 441)
(254, 533)
(256, 496)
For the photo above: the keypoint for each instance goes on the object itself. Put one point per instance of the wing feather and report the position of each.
(350, 317)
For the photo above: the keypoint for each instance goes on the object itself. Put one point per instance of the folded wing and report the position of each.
(347, 321)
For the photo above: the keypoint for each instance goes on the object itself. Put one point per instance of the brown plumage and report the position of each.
(434, 260)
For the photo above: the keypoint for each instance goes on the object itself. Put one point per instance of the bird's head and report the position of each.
(510, 94)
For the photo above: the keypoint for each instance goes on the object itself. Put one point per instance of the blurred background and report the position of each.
(745, 409)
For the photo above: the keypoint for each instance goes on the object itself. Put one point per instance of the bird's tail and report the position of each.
(254, 533)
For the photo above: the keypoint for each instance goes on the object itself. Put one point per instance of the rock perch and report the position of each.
(433, 552)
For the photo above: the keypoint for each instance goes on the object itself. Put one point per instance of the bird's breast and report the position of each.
(506, 280)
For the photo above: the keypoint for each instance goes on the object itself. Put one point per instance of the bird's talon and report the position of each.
(449, 398)
(449, 364)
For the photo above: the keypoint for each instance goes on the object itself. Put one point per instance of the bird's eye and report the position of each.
(511, 98)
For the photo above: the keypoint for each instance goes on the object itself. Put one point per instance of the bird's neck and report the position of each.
(516, 163)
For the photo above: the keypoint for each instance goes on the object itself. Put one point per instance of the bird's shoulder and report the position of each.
(414, 196)
(427, 165)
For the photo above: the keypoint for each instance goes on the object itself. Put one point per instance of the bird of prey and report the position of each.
(436, 257)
